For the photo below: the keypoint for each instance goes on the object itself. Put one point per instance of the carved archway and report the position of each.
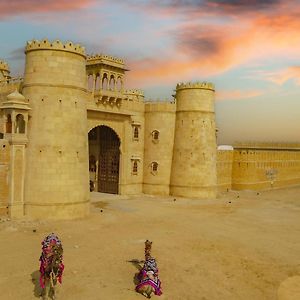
(104, 147)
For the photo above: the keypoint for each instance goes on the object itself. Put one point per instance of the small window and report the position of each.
(135, 133)
(155, 136)
(154, 167)
(135, 168)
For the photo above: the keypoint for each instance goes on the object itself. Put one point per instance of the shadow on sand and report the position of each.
(138, 265)
(35, 278)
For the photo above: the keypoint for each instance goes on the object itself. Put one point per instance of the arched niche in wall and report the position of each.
(104, 82)
(98, 82)
(155, 136)
(8, 124)
(154, 167)
(112, 83)
(20, 124)
(119, 84)
(90, 82)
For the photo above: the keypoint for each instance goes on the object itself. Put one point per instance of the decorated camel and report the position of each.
(149, 282)
(51, 265)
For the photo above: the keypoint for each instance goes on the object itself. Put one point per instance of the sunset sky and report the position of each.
(249, 49)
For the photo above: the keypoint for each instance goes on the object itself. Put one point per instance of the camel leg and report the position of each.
(46, 290)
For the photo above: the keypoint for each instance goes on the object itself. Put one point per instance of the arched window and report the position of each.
(135, 133)
(119, 84)
(90, 83)
(8, 124)
(98, 82)
(135, 167)
(154, 167)
(20, 124)
(155, 135)
(104, 82)
(112, 82)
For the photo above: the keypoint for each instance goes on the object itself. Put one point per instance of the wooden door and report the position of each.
(109, 159)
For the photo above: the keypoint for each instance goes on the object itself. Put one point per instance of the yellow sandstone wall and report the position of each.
(57, 178)
(194, 155)
(134, 148)
(224, 169)
(4, 176)
(257, 168)
(159, 117)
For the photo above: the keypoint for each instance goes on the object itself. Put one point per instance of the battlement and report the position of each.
(4, 66)
(134, 92)
(55, 45)
(104, 58)
(160, 101)
(266, 145)
(108, 60)
(196, 85)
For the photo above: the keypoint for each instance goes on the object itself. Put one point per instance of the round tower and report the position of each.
(193, 172)
(57, 179)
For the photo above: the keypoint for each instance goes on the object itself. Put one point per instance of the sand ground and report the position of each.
(239, 246)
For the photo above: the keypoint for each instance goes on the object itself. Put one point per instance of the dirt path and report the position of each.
(239, 246)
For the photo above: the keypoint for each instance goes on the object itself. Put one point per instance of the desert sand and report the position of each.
(243, 245)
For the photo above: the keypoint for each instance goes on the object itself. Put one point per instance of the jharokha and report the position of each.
(69, 125)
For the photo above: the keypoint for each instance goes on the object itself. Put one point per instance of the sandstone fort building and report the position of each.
(70, 123)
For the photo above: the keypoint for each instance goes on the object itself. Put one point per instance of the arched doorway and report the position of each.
(104, 157)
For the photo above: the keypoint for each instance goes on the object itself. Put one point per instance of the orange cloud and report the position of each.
(237, 94)
(15, 7)
(204, 49)
(283, 75)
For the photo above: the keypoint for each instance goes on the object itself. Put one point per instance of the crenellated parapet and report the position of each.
(267, 145)
(158, 100)
(55, 45)
(106, 60)
(196, 85)
(4, 66)
(134, 100)
(134, 92)
(103, 58)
